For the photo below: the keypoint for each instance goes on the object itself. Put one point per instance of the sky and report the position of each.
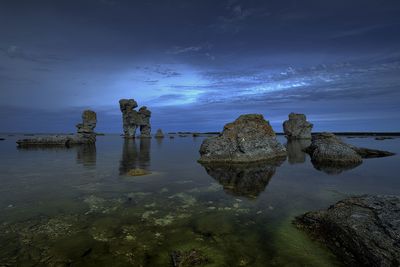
(199, 64)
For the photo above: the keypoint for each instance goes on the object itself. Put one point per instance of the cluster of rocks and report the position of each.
(249, 138)
(361, 231)
(85, 134)
(297, 127)
(133, 119)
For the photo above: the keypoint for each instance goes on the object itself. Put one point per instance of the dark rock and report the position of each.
(249, 138)
(297, 127)
(327, 151)
(243, 179)
(2, 139)
(366, 153)
(362, 231)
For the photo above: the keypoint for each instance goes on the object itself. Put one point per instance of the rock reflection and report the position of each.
(334, 168)
(132, 157)
(86, 155)
(295, 151)
(247, 180)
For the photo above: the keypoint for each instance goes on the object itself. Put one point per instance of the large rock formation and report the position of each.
(85, 134)
(133, 119)
(249, 138)
(361, 231)
(297, 127)
(243, 179)
(327, 151)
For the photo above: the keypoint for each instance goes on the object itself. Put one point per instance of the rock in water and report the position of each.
(133, 119)
(297, 127)
(85, 134)
(159, 134)
(85, 130)
(362, 231)
(327, 150)
(249, 138)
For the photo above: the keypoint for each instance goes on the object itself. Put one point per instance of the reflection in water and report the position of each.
(295, 150)
(86, 155)
(247, 180)
(334, 168)
(132, 158)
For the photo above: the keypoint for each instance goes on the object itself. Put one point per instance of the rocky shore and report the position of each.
(361, 231)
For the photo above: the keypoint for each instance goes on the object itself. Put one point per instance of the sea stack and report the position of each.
(85, 134)
(159, 134)
(133, 119)
(297, 127)
(249, 138)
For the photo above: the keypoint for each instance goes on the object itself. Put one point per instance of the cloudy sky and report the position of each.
(199, 64)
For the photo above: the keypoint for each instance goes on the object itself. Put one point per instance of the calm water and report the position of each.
(76, 207)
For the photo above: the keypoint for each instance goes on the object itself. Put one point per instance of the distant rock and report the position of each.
(383, 137)
(243, 179)
(361, 231)
(297, 127)
(2, 139)
(249, 138)
(327, 151)
(159, 134)
(85, 134)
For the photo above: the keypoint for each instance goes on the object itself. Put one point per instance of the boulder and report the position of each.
(328, 150)
(361, 231)
(159, 134)
(297, 127)
(249, 138)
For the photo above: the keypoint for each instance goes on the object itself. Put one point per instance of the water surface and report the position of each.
(77, 206)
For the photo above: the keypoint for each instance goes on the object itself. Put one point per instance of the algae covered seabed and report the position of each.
(77, 206)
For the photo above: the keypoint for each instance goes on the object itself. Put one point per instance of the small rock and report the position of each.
(137, 172)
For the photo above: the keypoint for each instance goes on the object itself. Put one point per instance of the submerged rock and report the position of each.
(327, 150)
(137, 172)
(362, 231)
(243, 179)
(249, 138)
(297, 127)
(189, 258)
(159, 134)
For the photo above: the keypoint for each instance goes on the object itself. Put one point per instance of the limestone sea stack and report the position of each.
(159, 134)
(361, 231)
(133, 119)
(249, 138)
(297, 127)
(326, 149)
(85, 134)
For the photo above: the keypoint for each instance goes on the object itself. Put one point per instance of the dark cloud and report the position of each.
(198, 64)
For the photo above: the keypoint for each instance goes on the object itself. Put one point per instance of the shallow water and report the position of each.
(76, 207)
